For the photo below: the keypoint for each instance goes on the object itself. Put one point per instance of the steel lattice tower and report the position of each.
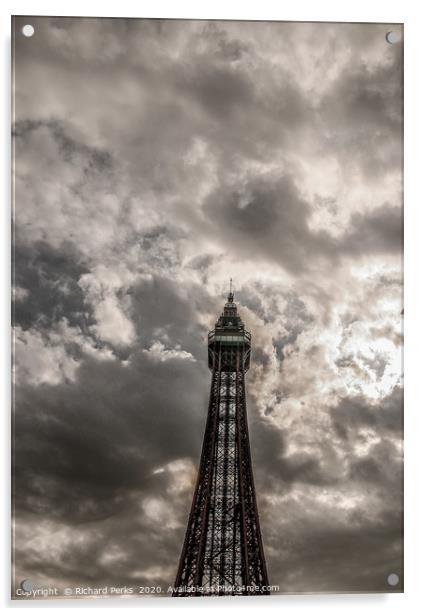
(223, 551)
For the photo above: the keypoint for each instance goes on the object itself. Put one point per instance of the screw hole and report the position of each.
(393, 579)
(392, 37)
(26, 585)
(28, 30)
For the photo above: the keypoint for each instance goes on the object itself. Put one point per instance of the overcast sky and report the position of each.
(154, 161)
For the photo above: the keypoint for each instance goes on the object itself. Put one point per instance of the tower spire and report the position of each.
(231, 293)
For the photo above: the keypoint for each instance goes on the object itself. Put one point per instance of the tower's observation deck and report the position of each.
(229, 337)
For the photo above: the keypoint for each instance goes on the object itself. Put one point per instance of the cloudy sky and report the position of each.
(154, 160)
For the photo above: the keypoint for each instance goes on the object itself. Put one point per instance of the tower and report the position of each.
(223, 551)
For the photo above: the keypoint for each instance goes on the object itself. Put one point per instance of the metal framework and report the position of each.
(223, 551)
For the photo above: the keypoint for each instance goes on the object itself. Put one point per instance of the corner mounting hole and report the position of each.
(392, 37)
(28, 30)
(26, 585)
(392, 579)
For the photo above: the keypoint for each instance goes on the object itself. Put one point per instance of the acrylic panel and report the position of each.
(207, 307)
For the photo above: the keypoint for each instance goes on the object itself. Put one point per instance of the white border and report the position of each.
(299, 10)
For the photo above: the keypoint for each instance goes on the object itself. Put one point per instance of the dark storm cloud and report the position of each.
(350, 558)
(160, 312)
(269, 214)
(262, 212)
(49, 276)
(309, 532)
(153, 159)
(364, 112)
(380, 466)
(208, 95)
(220, 90)
(94, 461)
(151, 300)
(201, 264)
(385, 416)
(107, 436)
(124, 549)
(278, 471)
(222, 82)
(379, 231)
(69, 148)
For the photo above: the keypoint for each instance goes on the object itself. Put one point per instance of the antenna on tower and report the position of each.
(231, 293)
